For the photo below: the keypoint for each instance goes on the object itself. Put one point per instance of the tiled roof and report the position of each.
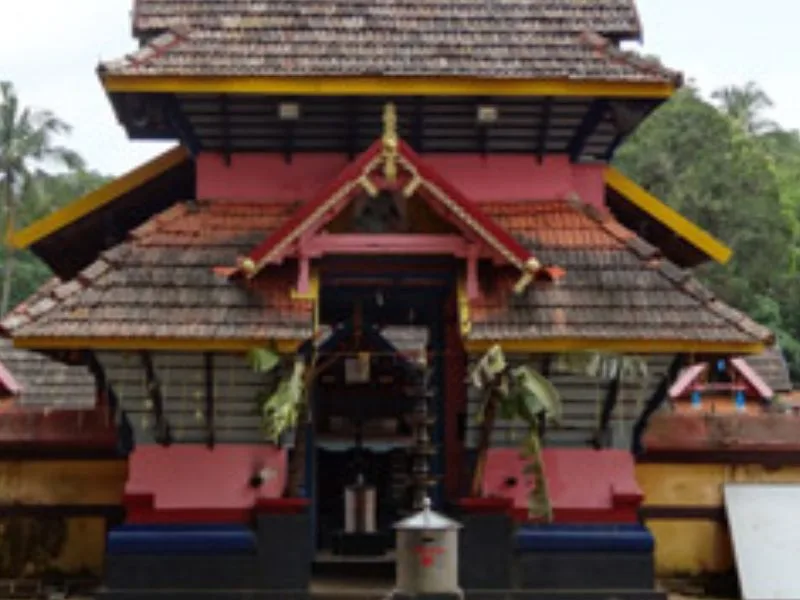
(45, 382)
(616, 18)
(477, 38)
(772, 368)
(164, 283)
(616, 286)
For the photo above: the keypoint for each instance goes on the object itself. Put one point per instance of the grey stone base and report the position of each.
(567, 595)
(203, 595)
(585, 570)
(403, 596)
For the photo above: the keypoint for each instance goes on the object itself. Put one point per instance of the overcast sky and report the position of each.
(49, 50)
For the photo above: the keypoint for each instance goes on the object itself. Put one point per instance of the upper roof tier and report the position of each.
(293, 76)
(614, 18)
(524, 39)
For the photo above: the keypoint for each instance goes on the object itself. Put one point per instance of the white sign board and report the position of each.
(764, 521)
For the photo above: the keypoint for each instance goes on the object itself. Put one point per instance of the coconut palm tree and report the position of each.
(746, 105)
(28, 146)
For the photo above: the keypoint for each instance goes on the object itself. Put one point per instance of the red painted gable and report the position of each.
(419, 179)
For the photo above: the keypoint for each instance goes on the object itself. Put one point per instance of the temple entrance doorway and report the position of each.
(377, 443)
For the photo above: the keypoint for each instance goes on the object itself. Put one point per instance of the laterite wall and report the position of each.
(54, 516)
(684, 509)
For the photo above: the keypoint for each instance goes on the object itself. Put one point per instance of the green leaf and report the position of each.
(537, 395)
(490, 365)
(282, 409)
(263, 360)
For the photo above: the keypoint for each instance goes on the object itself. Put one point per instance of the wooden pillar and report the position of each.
(455, 401)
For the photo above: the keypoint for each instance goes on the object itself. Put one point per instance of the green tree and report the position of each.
(745, 105)
(28, 147)
(735, 174)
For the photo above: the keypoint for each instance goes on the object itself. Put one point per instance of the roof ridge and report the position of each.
(151, 50)
(606, 48)
(682, 279)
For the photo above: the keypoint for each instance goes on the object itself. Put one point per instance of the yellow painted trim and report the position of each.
(154, 344)
(313, 288)
(380, 86)
(699, 238)
(464, 316)
(98, 198)
(620, 346)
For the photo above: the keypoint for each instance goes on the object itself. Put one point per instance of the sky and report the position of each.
(49, 49)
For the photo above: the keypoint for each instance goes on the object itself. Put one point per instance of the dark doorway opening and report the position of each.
(384, 315)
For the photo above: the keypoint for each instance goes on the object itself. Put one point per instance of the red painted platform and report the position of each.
(585, 486)
(196, 484)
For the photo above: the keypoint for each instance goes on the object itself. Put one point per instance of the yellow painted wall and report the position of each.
(696, 546)
(71, 546)
(32, 547)
(78, 482)
(691, 547)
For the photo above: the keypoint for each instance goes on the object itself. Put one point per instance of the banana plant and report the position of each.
(281, 408)
(286, 408)
(515, 393)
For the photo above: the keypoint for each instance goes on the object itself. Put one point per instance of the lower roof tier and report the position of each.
(168, 286)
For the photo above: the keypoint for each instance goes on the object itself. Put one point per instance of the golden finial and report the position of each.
(390, 142)
(248, 266)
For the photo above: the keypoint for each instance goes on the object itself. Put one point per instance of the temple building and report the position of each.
(379, 192)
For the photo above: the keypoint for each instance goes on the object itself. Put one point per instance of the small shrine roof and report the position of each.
(772, 368)
(522, 39)
(42, 382)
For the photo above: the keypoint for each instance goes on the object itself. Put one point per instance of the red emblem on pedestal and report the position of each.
(428, 554)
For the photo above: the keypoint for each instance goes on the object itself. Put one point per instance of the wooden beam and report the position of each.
(544, 129)
(208, 359)
(105, 394)
(599, 439)
(387, 244)
(632, 346)
(226, 130)
(351, 110)
(385, 86)
(183, 128)
(289, 127)
(163, 432)
(418, 125)
(667, 216)
(283, 346)
(654, 403)
(612, 148)
(99, 198)
(591, 121)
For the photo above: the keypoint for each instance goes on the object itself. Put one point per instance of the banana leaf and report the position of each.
(536, 396)
(491, 364)
(604, 365)
(281, 410)
(263, 360)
